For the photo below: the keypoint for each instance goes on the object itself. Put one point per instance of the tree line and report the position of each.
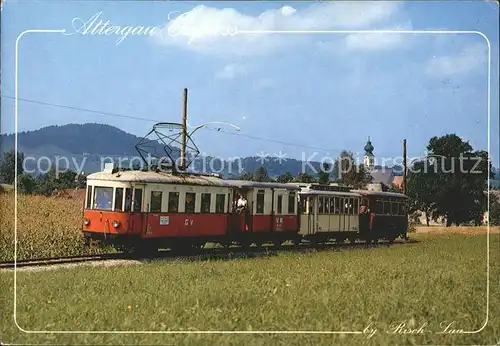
(450, 182)
(43, 184)
(351, 174)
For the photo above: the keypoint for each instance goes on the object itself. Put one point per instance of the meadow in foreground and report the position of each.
(426, 285)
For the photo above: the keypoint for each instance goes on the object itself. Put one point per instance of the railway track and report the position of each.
(38, 262)
(194, 254)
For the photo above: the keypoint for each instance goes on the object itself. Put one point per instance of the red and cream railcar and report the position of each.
(151, 210)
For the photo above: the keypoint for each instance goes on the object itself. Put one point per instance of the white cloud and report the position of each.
(378, 41)
(221, 31)
(230, 71)
(466, 61)
(372, 41)
(264, 83)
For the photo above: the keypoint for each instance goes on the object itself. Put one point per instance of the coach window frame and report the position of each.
(203, 202)
(218, 209)
(155, 210)
(279, 204)
(94, 194)
(260, 201)
(326, 205)
(402, 208)
(292, 202)
(137, 205)
(90, 190)
(193, 202)
(394, 207)
(171, 206)
(320, 205)
(116, 199)
(127, 196)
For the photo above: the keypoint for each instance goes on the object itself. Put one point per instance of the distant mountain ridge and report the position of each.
(87, 144)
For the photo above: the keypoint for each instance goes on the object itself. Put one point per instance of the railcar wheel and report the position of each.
(145, 250)
(245, 244)
(225, 244)
(197, 246)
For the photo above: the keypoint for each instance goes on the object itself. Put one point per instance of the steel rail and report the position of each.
(209, 253)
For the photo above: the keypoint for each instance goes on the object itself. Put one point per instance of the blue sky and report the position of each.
(329, 91)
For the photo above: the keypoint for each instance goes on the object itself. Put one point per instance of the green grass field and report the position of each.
(441, 279)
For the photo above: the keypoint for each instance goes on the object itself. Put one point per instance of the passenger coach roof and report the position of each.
(328, 193)
(380, 193)
(188, 179)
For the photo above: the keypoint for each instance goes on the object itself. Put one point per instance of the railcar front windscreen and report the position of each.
(103, 198)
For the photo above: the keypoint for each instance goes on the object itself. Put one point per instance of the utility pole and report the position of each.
(404, 166)
(182, 165)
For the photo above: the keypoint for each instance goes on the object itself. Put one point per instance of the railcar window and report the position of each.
(320, 205)
(402, 208)
(173, 202)
(137, 199)
(219, 203)
(190, 202)
(394, 208)
(356, 206)
(103, 197)
(291, 203)
(89, 197)
(387, 208)
(303, 205)
(205, 202)
(378, 207)
(119, 198)
(311, 205)
(332, 205)
(349, 206)
(156, 197)
(128, 199)
(260, 202)
(327, 205)
(279, 208)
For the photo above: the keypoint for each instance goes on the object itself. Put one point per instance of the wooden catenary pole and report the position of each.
(404, 166)
(184, 131)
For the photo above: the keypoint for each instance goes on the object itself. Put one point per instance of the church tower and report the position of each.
(369, 159)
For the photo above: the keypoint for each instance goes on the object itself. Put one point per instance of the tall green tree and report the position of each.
(451, 181)
(324, 173)
(261, 174)
(285, 178)
(246, 176)
(7, 166)
(349, 172)
(303, 178)
(27, 184)
(494, 215)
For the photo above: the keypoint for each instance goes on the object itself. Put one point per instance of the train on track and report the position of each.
(151, 210)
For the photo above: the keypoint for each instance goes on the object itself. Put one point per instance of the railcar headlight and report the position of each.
(86, 222)
(116, 224)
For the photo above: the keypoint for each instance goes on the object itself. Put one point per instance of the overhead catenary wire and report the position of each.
(93, 111)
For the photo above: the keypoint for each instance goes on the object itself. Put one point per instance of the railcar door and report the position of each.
(311, 229)
(139, 220)
(240, 217)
